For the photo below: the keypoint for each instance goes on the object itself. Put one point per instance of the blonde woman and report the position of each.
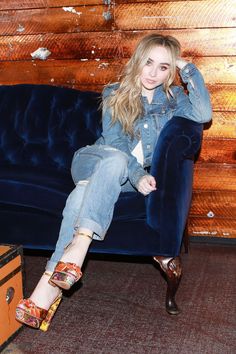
(134, 112)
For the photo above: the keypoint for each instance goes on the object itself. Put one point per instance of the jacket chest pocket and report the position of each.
(162, 115)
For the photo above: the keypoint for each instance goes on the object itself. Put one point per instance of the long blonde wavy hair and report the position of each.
(125, 104)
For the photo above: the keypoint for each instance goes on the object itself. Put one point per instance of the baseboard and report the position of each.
(216, 240)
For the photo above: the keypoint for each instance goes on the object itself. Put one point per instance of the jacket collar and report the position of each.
(158, 96)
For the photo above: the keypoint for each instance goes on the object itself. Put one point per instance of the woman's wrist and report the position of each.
(181, 63)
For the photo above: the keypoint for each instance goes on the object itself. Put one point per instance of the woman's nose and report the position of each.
(153, 72)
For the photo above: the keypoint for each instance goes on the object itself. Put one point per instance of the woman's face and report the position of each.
(156, 70)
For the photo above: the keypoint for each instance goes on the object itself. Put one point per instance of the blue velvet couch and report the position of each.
(40, 129)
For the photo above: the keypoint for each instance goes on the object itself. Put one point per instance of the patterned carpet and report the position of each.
(118, 308)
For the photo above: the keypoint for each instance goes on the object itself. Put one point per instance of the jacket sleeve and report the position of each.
(196, 105)
(113, 135)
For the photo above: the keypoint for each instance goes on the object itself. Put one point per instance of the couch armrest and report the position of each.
(182, 133)
(172, 166)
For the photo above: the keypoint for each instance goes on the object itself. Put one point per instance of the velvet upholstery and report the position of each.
(40, 129)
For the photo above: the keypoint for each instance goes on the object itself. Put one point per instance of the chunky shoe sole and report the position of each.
(65, 275)
(36, 317)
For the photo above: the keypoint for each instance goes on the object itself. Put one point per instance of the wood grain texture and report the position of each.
(175, 14)
(100, 72)
(217, 70)
(214, 204)
(62, 72)
(91, 45)
(196, 44)
(56, 20)
(223, 125)
(213, 176)
(223, 97)
(85, 45)
(37, 4)
(218, 151)
(142, 1)
(206, 227)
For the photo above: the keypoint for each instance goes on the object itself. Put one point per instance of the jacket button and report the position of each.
(148, 146)
(145, 125)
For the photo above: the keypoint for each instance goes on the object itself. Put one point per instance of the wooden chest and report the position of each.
(11, 291)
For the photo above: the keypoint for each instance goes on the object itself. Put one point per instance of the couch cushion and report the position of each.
(43, 125)
(32, 187)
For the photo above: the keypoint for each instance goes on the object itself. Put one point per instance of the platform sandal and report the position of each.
(30, 314)
(65, 275)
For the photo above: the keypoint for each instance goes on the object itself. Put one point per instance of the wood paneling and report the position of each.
(218, 151)
(214, 227)
(109, 45)
(55, 20)
(175, 14)
(143, 1)
(223, 125)
(86, 45)
(199, 42)
(37, 4)
(194, 45)
(211, 204)
(223, 97)
(59, 72)
(212, 177)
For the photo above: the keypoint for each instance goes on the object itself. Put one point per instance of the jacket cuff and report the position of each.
(187, 71)
(135, 177)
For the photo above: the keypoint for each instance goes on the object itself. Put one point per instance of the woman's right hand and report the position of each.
(181, 63)
(146, 184)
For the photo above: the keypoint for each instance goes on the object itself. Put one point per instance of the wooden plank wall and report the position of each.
(89, 40)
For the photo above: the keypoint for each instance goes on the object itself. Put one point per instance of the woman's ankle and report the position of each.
(77, 249)
(44, 293)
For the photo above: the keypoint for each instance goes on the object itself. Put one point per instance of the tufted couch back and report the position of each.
(44, 125)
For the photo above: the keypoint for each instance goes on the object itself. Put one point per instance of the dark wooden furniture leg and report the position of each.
(172, 269)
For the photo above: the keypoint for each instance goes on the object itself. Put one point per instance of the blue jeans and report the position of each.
(100, 173)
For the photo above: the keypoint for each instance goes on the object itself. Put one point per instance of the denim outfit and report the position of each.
(107, 168)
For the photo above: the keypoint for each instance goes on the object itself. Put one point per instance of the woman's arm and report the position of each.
(114, 136)
(196, 105)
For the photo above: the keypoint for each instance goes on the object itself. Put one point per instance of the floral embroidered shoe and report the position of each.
(65, 275)
(30, 314)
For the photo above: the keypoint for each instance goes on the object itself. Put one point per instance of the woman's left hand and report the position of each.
(146, 184)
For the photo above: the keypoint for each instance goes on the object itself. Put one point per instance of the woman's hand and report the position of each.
(146, 184)
(181, 63)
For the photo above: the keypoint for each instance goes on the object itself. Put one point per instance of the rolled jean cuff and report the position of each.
(50, 266)
(99, 233)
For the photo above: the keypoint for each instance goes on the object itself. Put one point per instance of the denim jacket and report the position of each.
(195, 106)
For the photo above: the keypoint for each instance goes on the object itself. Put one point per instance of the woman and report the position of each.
(118, 162)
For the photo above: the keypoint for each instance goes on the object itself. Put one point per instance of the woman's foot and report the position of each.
(44, 293)
(76, 251)
(68, 270)
(38, 310)
(65, 275)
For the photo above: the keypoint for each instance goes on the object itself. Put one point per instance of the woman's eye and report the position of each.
(148, 62)
(164, 68)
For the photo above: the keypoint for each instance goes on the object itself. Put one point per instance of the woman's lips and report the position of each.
(150, 82)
